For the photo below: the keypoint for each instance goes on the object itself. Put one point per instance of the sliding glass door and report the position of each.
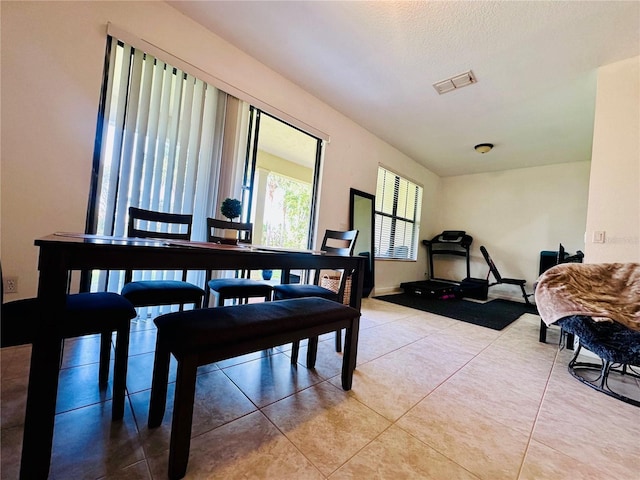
(280, 182)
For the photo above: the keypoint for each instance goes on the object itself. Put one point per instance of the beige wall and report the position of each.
(614, 191)
(52, 62)
(515, 214)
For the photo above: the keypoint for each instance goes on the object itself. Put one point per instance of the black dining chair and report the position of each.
(84, 314)
(335, 242)
(240, 287)
(147, 293)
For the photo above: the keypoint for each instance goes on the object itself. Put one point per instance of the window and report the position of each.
(398, 204)
(158, 147)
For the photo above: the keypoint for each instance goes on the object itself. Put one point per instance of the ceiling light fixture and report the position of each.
(455, 82)
(483, 147)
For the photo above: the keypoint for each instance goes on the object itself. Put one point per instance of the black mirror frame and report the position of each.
(369, 277)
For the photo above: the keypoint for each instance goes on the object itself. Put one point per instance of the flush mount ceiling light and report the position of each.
(483, 147)
(455, 82)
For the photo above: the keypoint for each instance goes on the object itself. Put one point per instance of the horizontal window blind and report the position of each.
(398, 203)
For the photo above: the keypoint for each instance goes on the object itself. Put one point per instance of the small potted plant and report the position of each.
(231, 208)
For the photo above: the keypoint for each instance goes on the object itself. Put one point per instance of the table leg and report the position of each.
(41, 408)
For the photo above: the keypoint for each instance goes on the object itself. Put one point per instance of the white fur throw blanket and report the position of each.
(603, 291)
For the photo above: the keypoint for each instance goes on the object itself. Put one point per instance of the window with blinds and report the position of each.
(158, 147)
(398, 204)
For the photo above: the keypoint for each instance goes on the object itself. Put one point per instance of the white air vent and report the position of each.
(455, 82)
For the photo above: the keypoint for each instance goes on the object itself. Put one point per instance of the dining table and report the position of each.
(62, 253)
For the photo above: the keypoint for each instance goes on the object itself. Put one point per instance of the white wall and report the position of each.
(515, 214)
(614, 191)
(52, 63)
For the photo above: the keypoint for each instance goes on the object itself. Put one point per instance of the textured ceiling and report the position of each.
(376, 62)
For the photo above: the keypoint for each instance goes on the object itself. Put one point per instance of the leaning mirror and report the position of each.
(361, 210)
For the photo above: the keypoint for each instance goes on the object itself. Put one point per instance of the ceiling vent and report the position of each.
(453, 83)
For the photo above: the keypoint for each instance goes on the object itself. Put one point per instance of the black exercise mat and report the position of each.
(495, 314)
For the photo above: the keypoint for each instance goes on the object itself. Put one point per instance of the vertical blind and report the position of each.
(159, 142)
(398, 203)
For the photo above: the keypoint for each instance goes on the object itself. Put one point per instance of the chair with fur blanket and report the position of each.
(600, 304)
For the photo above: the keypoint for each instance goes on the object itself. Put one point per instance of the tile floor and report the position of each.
(432, 398)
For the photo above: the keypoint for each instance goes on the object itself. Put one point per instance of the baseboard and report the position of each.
(378, 291)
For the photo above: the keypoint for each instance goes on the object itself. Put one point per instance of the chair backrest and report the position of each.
(561, 255)
(152, 224)
(215, 229)
(492, 266)
(339, 243)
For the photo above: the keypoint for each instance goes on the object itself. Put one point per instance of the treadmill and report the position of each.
(451, 243)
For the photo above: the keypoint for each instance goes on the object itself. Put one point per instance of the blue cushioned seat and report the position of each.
(224, 288)
(221, 326)
(285, 291)
(162, 292)
(85, 314)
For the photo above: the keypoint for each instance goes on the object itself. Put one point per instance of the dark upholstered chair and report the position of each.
(240, 287)
(493, 270)
(334, 243)
(85, 314)
(146, 293)
(618, 348)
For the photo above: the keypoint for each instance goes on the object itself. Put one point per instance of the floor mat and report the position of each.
(495, 314)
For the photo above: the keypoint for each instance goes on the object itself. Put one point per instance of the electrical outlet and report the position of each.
(10, 284)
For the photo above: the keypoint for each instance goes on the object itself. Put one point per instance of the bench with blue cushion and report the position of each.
(203, 336)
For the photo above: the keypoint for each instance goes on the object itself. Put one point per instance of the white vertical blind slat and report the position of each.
(184, 127)
(161, 148)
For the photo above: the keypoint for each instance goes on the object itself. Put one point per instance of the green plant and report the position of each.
(231, 208)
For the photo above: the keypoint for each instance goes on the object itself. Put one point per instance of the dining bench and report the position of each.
(203, 336)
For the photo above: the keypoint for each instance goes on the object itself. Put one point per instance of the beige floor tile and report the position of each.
(396, 455)
(488, 449)
(382, 312)
(15, 361)
(10, 451)
(13, 399)
(218, 401)
(87, 444)
(589, 426)
(271, 378)
(250, 447)
(543, 462)
(392, 384)
(328, 361)
(79, 387)
(326, 424)
(378, 341)
(81, 351)
(424, 323)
